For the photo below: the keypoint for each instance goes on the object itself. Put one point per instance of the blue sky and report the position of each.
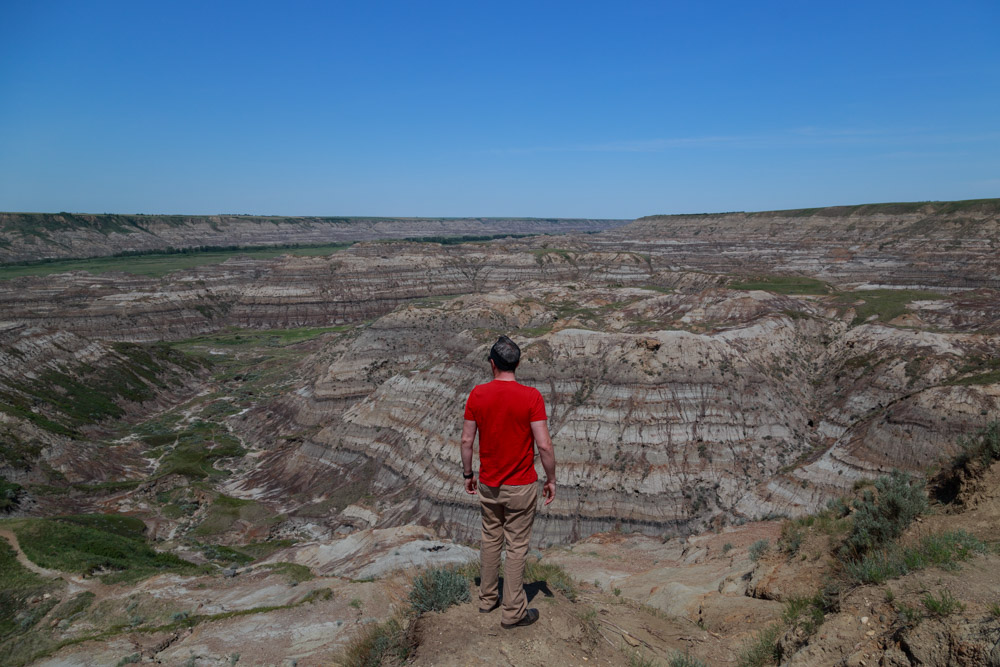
(549, 109)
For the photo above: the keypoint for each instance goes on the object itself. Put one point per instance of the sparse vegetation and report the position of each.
(762, 649)
(377, 644)
(908, 615)
(944, 604)
(806, 613)
(10, 494)
(758, 549)
(685, 660)
(792, 536)
(552, 574)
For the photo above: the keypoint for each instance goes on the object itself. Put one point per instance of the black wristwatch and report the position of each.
(469, 475)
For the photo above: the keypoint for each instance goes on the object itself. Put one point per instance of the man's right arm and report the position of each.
(540, 431)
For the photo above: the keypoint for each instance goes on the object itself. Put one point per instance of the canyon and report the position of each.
(703, 375)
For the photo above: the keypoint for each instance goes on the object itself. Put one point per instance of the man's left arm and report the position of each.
(468, 438)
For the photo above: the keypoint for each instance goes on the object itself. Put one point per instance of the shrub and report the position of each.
(804, 612)
(908, 615)
(10, 495)
(982, 447)
(762, 649)
(378, 642)
(882, 517)
(437, 589)
(758, 549)
(945, 605)
(994, 609)
(727, 547)
(685, 660)
(792, 537)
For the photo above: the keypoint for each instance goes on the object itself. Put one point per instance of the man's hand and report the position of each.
(549, 490)
(468, 438)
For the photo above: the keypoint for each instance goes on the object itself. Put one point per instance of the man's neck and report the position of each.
(504, 376)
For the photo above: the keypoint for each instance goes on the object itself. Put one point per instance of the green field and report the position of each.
(783, 285)
(885, 303)
(160, 264)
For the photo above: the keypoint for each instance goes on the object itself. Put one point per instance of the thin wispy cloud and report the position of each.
(797, 137)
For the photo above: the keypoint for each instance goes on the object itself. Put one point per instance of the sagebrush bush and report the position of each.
(685, 660)
(880, 518)
(758, 549)
(437, 589)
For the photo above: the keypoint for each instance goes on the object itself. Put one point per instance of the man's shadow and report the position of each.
(531, 590)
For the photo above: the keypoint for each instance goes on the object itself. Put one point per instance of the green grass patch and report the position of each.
(264, 549)
(945, 550)
(293, 572)
(223, 555)
(990, 377)
(78, 604)
(762, 649)
(197, 449)
(18, 585)
(238, 337)
(783, 285)
(885, 304)
(552, 575)
(161, 263)
(225, 510)
(109, 545)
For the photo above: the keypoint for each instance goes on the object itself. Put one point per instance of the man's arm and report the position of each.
(468, 438)
(540, 431)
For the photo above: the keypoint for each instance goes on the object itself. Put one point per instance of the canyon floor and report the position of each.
(246, 461)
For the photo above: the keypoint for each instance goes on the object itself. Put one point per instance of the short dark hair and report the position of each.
(505, 354)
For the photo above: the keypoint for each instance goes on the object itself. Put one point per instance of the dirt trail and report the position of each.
(75, 583)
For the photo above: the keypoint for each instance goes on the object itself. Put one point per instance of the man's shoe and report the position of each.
(486, 611)
(529, 617)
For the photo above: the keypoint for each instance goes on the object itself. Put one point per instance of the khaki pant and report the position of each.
(508, 513)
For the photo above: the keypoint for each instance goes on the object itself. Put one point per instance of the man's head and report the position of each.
(505, 354)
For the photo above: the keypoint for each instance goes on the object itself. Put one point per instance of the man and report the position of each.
(511, 422)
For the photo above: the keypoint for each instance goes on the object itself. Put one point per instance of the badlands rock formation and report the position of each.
(699, 372)
(678, 395)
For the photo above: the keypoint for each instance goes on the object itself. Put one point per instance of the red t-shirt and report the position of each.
(503, 411)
